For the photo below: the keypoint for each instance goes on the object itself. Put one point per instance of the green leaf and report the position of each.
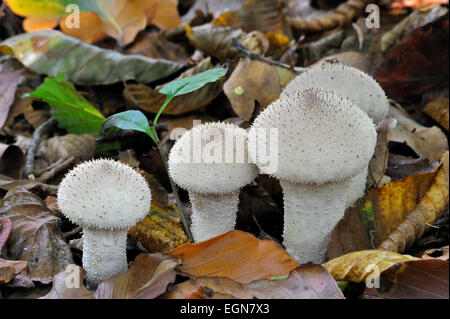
(193, 82)
(51, 52)
(73, 112)
(128, 120)
(188, 85)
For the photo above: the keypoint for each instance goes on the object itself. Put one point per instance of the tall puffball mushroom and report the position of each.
(106, 198)
(210, 161)
(324, 140)
(347, 81)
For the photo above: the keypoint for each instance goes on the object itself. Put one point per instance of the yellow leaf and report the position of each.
(438, 111)
(358, 265)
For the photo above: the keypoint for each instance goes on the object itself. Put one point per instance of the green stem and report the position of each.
(168, 99)
(161, 150)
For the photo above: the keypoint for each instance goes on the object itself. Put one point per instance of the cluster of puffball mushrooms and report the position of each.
(325, 120)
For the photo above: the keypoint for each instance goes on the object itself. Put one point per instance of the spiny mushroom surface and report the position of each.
(324, 140)
(210, 161)
(106, 198)
(347, 81)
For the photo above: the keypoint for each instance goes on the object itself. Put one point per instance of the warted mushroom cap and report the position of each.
(212, 158)
(322, 137)
(104, 194)
(347, 81)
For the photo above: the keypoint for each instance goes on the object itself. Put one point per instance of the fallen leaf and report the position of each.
(236, 255)
(9, 80)
(36, 236)
(428, 210)
(357, 266)
(68, 284)
(416, 279)
(375, 216)
(12, 160)
(147, 278)
(186, 290)
(437, 253)
(10, 268)
(305, 282)
(427, 49)
(427, 142)
(416, 4)
(156, 46)
(164, 14)
(253, 81)
(151, 100)
(51, 52)
(5, 231)
(400, 166)
(438, 111)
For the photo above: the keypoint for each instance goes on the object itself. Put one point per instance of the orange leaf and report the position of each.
(236, 255)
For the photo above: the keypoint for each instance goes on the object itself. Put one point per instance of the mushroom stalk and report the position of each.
(104, 253)
(306, 231)
(213, 215)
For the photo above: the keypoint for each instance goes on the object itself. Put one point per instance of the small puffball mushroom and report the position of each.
(106, 198)
(324, 141)
(347, 81)
(210, 161)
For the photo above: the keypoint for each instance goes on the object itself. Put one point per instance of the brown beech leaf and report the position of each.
(429, 209)
(237, 255)
(357, 266)
(425, 48)
(186, 290)
(151, 100)
(10, 268)
(155, 45)
(5, 231)
(12, 160)
(305, 282)
(253, 81)
(400, 166)
(68, 284)
(185, 121)
(147, 278)
(428, 142)
(375, 216)
(9, 80)
(36, 236)
(438, 111)
(416, 279)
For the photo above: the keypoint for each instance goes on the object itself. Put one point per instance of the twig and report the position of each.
(55, 168)
(37, 135)
(246, 52)
(161, 150)
(72, 232)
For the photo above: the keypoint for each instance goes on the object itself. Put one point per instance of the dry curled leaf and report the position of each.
(68, 284)
(253, 81)
(36, 236)
(436, 253)
(237, 255)
(12, 160)
(415, 279)
(428, 210)
(147, 278)
(305, 282)
(186, 290)
(357, 266)
(375, 216)
(340, 16)
(438, 111)
(9, 80)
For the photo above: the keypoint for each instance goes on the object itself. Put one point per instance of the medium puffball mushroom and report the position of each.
(106, 198)
(324, 140)
(347, 81)
(210, 161)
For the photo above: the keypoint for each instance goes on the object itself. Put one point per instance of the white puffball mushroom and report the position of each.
(210, 161)
(324, 140)
(347, 81)
(106, 198)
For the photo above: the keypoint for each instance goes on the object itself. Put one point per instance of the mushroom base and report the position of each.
(310, 213)
(104, 253)
(213, 215)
